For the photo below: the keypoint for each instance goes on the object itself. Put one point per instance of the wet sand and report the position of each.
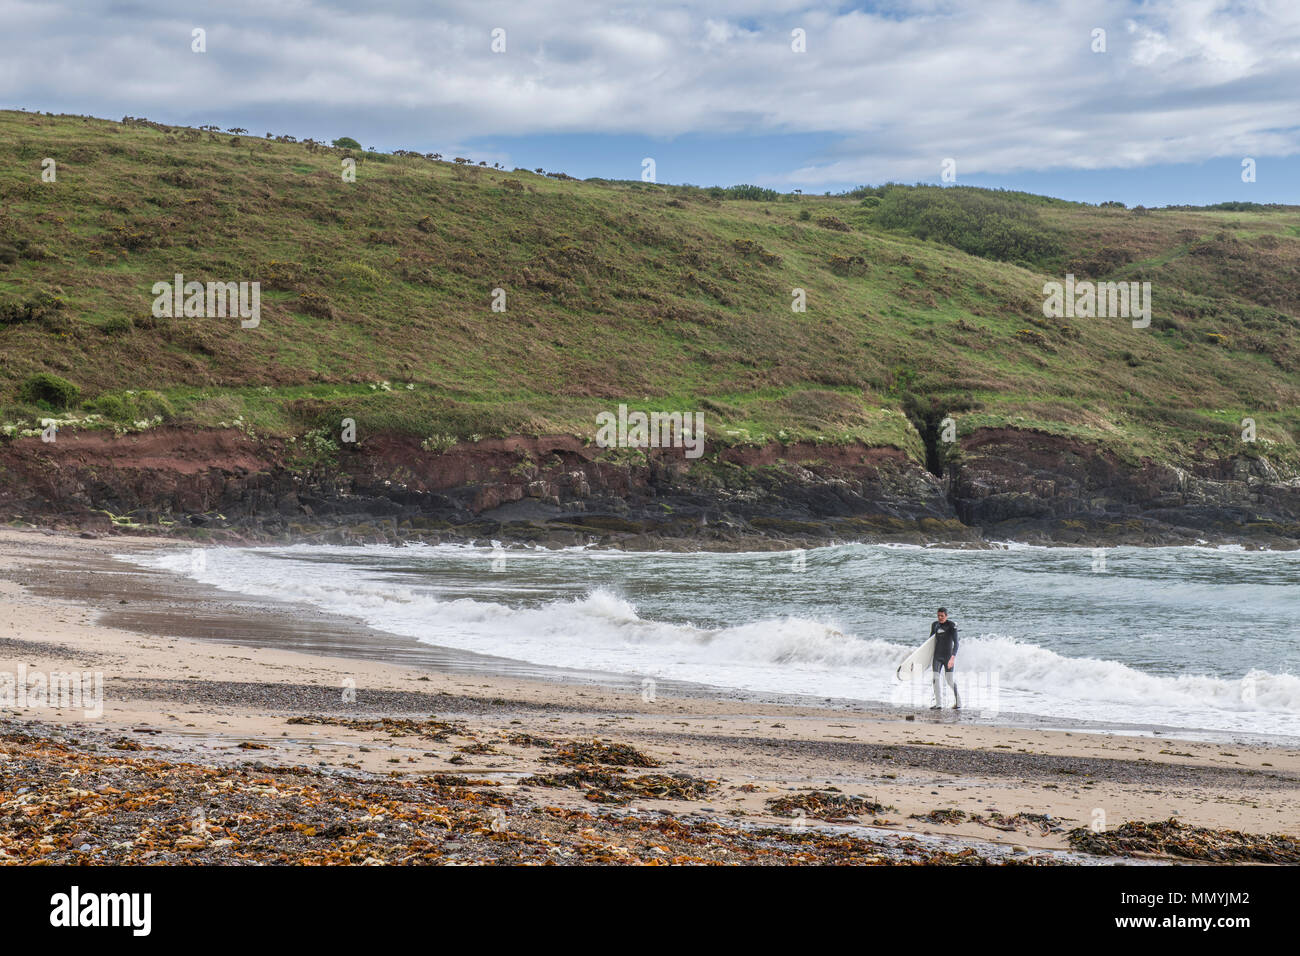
(215, 680)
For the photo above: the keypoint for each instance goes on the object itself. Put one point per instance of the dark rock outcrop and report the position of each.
(1004, 484)
(1025, 485)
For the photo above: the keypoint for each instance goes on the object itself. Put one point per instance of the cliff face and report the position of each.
(557, 490)
(1030, 486)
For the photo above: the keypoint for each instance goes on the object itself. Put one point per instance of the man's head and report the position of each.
(943, 614)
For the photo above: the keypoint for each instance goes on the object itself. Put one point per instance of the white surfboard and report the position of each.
(918, 663)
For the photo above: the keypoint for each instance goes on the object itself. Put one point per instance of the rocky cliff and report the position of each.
(1001, 485)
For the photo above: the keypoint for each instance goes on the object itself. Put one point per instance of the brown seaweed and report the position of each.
(599, 752)
(431, 729)
(826, 805)
(1173, 839)
(611, 786)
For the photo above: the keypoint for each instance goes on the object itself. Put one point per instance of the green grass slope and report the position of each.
(377, 301)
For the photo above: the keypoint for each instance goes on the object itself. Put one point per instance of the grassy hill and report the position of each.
(377, 301)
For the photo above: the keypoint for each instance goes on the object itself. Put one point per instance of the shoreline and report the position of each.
(217, 702)
(534, 534)
(216, 613)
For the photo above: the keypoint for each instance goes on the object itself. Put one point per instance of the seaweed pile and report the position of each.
(940, 816)
(1044, 823)
(431, 729)
(69, 800)
(906, 852)
(613, 786)
(599, 752)
(478, 747)
(826, 805)
(61, 802)
(598, 769)
(1173, 839)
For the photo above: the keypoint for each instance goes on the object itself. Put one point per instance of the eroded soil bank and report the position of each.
(1004, 485)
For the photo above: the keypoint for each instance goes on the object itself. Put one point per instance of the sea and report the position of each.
(1194, 639)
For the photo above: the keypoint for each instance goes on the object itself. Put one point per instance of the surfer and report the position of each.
(944, 633)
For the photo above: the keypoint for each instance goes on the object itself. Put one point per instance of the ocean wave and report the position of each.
(603, 629)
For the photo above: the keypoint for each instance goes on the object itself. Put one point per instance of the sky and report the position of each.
(1163, 107)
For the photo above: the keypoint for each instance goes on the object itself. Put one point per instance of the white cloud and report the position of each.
(1001, 86)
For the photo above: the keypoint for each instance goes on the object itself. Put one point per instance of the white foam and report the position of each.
(603, 630)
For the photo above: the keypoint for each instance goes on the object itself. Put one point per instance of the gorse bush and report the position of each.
(46, 389)
(863, 192)
(975, 221)
(746, 191)
(1238, 206)
(743, 191)
(37, 308)
(830, 222)
(118, 325)
(129, 406)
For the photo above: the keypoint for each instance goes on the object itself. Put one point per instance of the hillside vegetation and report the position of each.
(377, 302)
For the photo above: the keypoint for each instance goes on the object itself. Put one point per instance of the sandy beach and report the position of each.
(210, 701)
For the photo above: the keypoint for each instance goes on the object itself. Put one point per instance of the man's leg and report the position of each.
(952, 682)
(936, 667)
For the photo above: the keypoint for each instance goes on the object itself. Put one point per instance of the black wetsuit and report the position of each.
(945, 641)
(945, 648)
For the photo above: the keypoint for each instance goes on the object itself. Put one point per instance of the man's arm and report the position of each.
(954, 641)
